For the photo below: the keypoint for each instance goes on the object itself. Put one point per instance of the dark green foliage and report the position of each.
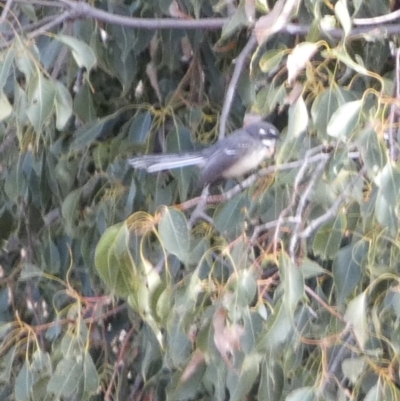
(110, 289)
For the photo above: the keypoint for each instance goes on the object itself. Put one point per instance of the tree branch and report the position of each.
(84, 10)
(332, 211)
(248, 182)
(377, 20)
(239, 65)
(5, 11)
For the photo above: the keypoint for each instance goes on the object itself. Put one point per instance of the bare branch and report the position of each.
(47, 27)
(80, 9)
(391, 134)
(248, 182)
(377, 20)
(302, 204)
(85, 10)
(239, 65)
(5, 11)
(331, 310)
(332, 211)
(299, 177)
(271, 224)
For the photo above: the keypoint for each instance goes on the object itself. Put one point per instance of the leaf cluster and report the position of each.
(282, 287)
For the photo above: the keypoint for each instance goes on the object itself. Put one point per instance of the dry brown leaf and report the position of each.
(175, 11)
(151, 72)
(226, 338)
(298, 59)
(197, 359)
(250, 9)
(294, 94)
(275, 20)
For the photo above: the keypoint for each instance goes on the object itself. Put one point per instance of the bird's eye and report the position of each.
(262, 131)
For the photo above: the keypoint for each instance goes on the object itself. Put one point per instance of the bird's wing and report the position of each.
(220, 161)
(224, 155)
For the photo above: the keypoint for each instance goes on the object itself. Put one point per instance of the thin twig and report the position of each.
(301, 206)
(329, 308)
(391, 133)
(377, 20)
(248, 182)
(299, 177)
(332, 211)
(45, 3)
(5, 11)
(85, 10)
(198, 212)
(239, 65)
(271, 224)
(47, 27)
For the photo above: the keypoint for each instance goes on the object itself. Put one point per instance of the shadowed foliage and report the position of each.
(117, 284)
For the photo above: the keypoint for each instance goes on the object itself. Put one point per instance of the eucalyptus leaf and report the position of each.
(82, 53)
(174, 233)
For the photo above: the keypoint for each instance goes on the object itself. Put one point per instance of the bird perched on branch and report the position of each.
(233, 156)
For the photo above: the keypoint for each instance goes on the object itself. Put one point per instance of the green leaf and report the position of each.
(235, 22)
(326, 104)
(389, 184)
(41, 93)
(301, 394)
(82, 53)
(372, 152)
(270, 60)
(271, 381)
(386, 215)
(356, 315)
(229, 217)
(293, 284)
(67, 378)
(70, 211)
(23, 383)
(329, 237)
(91, 378)
(298, 118)
(353, 368)
(25, 58)
(88, 134)
(323, 108)
(278, 328)
(347, 269)
(174, 233)
(310, 269)
(5, 106)
(113, 260)
(5, 65)
(240, 386)
(342, 14)
(63, 105)
(140, 127)
(374, 393)
(84, 106)
(246, 288)
(41, 365)
(344, 120)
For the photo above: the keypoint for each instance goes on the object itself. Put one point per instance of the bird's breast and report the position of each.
(247, 163)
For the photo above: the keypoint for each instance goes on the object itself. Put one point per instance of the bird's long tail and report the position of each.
(154, 163)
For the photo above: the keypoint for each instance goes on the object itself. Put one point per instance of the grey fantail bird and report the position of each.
(233, 156)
